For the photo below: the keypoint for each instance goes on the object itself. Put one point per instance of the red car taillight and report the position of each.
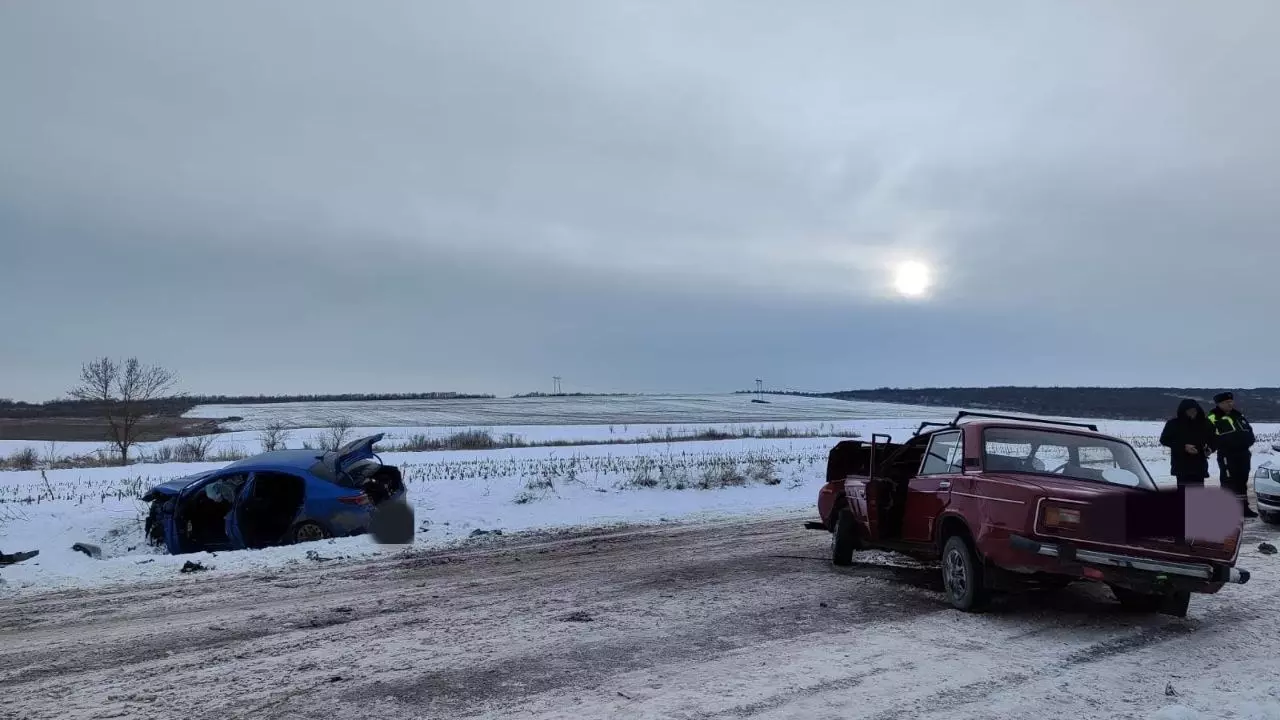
(360, 499)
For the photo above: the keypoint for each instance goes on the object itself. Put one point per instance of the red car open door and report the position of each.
(929, 492)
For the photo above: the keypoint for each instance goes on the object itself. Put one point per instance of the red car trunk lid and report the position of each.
(1103, 523)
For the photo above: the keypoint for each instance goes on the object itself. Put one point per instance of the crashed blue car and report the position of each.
(276, 498)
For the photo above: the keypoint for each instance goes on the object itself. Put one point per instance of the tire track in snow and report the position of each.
(957, 697)
(844, 684)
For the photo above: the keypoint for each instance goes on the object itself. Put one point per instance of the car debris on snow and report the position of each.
(92, 551)
(15, 558)
(192, 567)
(1267, 548)
(579, 616)
(479, 533)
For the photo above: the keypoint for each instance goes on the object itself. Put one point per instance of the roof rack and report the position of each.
(1043, 421)
(924, 425)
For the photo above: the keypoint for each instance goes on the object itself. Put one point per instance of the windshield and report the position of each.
(1049, 452)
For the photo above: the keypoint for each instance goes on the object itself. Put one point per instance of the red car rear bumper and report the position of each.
(1131, 570)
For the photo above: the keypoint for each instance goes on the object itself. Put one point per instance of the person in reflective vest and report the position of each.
(1233, 437)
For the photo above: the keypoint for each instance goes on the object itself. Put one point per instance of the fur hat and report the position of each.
(1223, 397)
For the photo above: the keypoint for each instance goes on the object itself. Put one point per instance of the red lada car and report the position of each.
(1007, 502)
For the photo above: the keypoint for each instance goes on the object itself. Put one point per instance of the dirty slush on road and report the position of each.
(732, 619)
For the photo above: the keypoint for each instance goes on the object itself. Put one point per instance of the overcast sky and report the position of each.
(639, 196)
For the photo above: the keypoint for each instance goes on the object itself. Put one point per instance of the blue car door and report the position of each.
(172, 538)
(175, 540)
(233, 518)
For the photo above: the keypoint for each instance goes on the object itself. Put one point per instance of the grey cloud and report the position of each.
(639, 195)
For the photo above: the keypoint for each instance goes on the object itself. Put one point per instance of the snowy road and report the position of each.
(725, 620)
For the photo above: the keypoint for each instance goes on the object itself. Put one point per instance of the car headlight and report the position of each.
(1060, 517)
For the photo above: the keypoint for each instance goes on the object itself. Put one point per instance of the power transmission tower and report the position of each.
(556, 380)
(759, 388)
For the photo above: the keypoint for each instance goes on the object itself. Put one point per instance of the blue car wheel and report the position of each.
(308, 532)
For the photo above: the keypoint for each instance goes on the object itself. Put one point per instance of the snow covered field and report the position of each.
(531, 420)
(250, 441)
(628, 410)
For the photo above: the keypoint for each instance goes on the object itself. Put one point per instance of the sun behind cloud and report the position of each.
(912, 279)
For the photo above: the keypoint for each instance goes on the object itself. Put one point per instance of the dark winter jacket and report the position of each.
(1182, 431)
(1233, 433)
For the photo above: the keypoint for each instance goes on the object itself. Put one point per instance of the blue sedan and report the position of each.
(276, 498)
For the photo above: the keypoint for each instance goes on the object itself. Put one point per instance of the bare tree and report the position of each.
(51, 454)
(24, 459)
(123, 390)
(194, 449)
(335, 434)
(275, 436)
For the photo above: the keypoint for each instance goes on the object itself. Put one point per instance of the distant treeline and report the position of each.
(347, 397)
(178, 405)
(1135, 403)
(577, 395)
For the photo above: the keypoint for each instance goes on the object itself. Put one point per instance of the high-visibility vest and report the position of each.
(1214, 418)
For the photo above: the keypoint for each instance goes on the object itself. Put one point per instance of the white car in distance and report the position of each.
(1266, 484)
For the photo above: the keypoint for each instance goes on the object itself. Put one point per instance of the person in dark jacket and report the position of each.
(1190, 439)
(1233, 437)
